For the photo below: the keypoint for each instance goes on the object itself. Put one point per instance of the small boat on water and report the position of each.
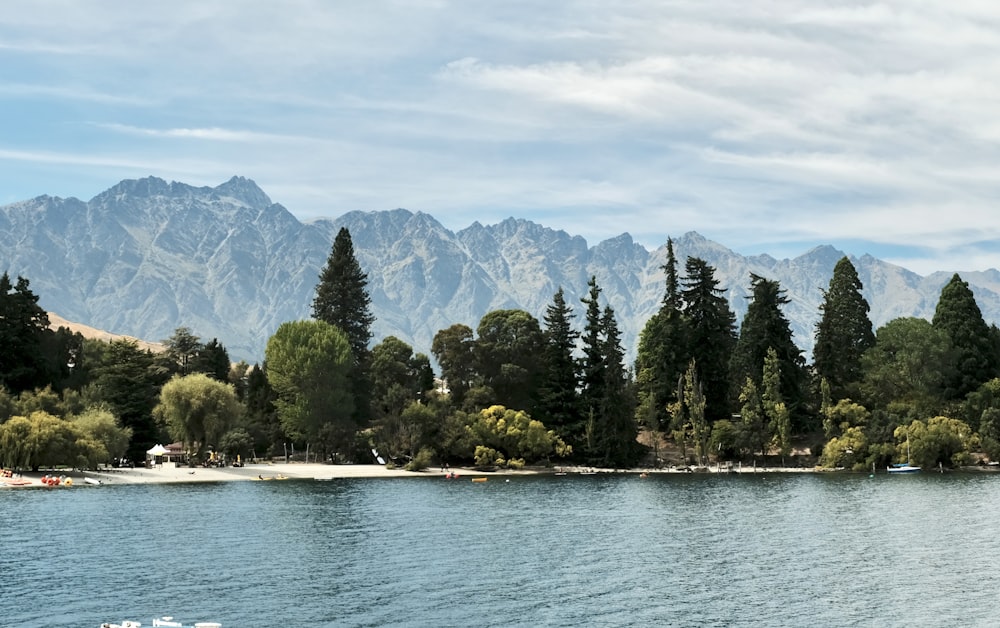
(904, 467)
(479, 479)
(92, 481)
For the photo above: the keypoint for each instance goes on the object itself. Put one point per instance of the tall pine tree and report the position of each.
(342, 300)
(958, 315)
(843, 333)
(24, 326)
(558, 400)
(711, 335)
(592, 366)
(616, 427)
(765, 328)
(662, 353)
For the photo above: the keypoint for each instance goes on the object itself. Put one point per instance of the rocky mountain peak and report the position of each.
(147, 256)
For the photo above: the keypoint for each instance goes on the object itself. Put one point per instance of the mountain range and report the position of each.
(146, 257)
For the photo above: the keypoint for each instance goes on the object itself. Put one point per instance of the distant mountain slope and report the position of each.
(147, 256)
(56, 321)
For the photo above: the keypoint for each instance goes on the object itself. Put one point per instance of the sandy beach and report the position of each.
(169, 473)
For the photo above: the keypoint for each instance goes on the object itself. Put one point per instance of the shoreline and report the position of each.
(170, 474)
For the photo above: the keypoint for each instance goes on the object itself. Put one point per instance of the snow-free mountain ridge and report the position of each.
(147, 256)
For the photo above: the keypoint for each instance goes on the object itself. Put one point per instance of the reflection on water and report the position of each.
(681, 550)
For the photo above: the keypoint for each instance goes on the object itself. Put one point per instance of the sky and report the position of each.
(770, 126)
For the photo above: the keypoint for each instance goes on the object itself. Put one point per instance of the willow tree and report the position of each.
(843, 333)
(197, 410)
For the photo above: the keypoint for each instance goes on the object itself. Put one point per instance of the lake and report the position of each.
(599, 550)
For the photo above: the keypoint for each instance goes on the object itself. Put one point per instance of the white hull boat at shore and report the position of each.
(903, 468)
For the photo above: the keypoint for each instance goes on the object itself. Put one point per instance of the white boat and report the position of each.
(94, 481)
(904, 467)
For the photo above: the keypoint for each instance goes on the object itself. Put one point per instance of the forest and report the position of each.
(517, 391)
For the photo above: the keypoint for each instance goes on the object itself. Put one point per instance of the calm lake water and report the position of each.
(746, 550)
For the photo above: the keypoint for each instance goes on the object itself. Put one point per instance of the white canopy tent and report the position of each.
(154, 453)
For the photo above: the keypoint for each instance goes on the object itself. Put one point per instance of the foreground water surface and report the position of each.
(618, 550)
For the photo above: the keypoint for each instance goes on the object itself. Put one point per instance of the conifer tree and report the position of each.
(764, 329)
(711, 335)
(843, 333)
(24, 326)
(958, 315)
(662, 353)
(559, 402)
(342, 300)
(617, 425)
(213, 360)
(593, 364)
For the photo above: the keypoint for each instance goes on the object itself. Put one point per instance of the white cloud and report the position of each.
(769, 123)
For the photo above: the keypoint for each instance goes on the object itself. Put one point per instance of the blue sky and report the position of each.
(769, 126)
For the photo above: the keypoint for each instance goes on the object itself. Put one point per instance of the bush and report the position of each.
(421, 461)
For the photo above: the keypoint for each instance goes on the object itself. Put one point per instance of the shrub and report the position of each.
(421, 461)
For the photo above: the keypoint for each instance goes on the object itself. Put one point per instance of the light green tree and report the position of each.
(846, 450)
(755, 428)
(774, 405)
(936, 441)
(101, 438)
(197, 410)
(694, 401)
(308, 365)
(507, 437)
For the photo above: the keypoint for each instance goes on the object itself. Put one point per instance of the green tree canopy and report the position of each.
(399, 378)
(197, 410)
(455, 351)
(24, 327)
(308, 365)
(502, 436)
(711, 335)
(844, 331)
(127, 379)
(342, 300)
(907, 369)
(663, 353)
(975, 358)
(183, 348)
(766, 329)
(616, 429)
(559, 402)
(509, 348)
